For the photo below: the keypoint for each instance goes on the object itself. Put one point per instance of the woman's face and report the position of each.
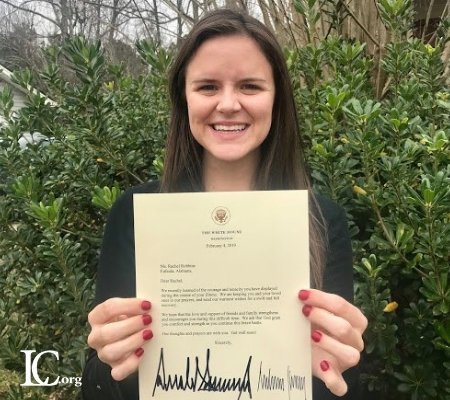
(230, 93)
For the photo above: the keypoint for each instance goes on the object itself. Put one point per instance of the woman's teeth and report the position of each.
(229, 128)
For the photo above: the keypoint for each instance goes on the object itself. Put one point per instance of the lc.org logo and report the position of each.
(32, 373)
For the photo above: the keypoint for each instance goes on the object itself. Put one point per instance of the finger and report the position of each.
(115, 331)
(324, 367)
(113, 308)
(114, 352)
(346, 356)
(337, 327)
(128, 365)
(336, 305)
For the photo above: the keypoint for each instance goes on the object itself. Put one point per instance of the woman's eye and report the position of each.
(250, 87)
(207, 88)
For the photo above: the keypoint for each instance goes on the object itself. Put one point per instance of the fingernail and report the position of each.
(146, 319)
(147, 334)
(146, 305)
(316, 336)
(139, 352)
(324, 365)
(306, 310)
(303, 295)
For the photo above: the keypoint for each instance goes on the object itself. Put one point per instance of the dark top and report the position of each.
(116, 278)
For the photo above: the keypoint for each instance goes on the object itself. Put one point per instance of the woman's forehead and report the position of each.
(237, 55)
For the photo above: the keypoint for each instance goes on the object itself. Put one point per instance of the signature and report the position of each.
(196, 378)
(271, 382)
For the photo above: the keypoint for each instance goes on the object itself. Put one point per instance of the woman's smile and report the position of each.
(230, 130)
(236, 127)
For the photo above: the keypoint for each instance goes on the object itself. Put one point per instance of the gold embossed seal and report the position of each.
(221, 215)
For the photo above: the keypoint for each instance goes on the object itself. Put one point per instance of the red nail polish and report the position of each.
(146, 319)
(139, 352)
(146, 305)
(303, 295)
(324, 365)
(316, 336)
(147, 334)
(306, 310)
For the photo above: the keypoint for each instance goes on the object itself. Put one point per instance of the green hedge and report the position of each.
(386, 161)
(102, 135)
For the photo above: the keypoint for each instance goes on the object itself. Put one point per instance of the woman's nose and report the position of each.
(228, 102)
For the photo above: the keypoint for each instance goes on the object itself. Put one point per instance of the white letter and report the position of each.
(34, 369)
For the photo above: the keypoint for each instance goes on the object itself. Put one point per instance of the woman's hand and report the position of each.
(337, 328)
(119, 329)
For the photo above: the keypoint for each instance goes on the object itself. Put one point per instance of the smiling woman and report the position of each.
(230, 108)
(233, 128)
(280, 163)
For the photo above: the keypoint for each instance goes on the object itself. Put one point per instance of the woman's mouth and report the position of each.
(229, 128)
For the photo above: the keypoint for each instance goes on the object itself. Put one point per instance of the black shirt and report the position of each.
(116, 278)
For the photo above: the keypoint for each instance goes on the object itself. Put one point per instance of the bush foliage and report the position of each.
(385, 160)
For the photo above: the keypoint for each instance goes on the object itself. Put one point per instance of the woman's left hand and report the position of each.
(337, 328)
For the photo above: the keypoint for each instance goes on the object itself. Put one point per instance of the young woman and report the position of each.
(233, 127)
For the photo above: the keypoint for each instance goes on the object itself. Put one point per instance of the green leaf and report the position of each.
(105, 197)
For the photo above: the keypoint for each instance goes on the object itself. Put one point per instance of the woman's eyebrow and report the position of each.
(251, 79)
(208, 80)
(204, 80)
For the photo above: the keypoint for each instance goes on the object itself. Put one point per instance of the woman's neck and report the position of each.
(223, 176)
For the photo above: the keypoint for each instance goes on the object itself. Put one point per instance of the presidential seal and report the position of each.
(221, 215)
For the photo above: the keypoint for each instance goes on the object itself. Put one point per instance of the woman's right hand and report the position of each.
(119, 328)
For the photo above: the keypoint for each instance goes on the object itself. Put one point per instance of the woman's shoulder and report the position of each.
(146, 187)
(329, 210)
(125, 200)
(121, 212)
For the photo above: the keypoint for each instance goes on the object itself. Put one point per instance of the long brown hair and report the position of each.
(282, 164)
